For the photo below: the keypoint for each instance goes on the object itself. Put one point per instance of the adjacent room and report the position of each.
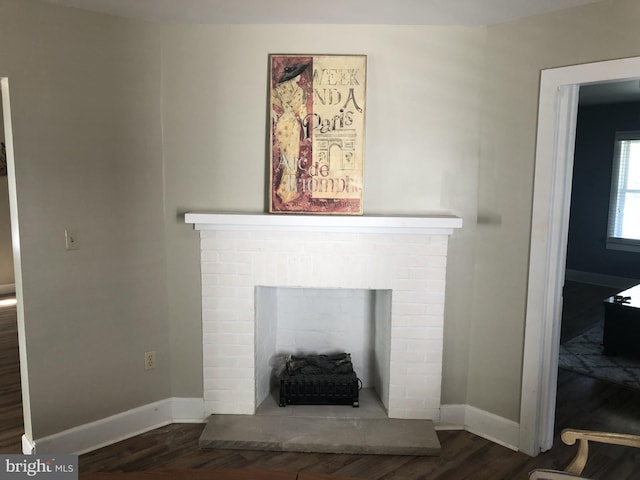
(600, 263)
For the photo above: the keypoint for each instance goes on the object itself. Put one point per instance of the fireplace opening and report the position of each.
(295, 325)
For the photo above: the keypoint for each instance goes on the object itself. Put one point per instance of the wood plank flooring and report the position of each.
(582, 403)
(11, 425)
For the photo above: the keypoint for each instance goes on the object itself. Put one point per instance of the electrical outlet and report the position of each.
(150, 360)
(71, 239)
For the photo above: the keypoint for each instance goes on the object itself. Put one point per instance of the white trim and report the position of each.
(549, 227)
(17, 257)
(481, 423)
(549, 224)
(106, 431)
(427, 225)
(600, 279)
(28, 447)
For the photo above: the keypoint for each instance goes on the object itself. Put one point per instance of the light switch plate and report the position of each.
(71, 239)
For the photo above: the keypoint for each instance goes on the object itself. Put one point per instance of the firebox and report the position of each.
(312, 339)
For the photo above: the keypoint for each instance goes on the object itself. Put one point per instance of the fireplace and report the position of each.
(398, 261)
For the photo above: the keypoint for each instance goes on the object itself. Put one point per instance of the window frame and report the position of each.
(614, 242)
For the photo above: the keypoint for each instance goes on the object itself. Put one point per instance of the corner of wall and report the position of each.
(479, 422)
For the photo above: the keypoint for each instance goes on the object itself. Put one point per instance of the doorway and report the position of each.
(597, 269)
(557, 115)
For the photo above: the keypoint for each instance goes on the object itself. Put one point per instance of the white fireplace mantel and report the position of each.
(243, 253)
(426, 225)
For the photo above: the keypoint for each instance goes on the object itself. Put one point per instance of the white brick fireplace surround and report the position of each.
(404, 255)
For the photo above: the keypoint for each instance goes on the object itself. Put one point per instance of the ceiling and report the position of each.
(390, 12)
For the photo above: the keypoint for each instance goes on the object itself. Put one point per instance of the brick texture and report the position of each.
(412, 266)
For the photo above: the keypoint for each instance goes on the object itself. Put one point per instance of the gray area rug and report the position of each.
(583, 354)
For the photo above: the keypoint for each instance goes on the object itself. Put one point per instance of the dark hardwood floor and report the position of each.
(582, 402)
(11, 427)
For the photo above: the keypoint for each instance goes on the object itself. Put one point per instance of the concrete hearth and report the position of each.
(322, 429)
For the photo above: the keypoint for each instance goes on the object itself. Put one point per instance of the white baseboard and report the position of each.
(599, 279)
(28, 447)
(94, 435)
(484, 424)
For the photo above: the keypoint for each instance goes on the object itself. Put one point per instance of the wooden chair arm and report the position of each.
(570, 436)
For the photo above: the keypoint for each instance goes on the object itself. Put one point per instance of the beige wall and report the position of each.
(516, 53)
(422, 133)
(451, 125)
(121, 126)
(85, 98)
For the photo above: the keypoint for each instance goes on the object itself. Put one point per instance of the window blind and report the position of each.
(624, 203)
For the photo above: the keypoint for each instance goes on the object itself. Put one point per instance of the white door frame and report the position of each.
(17, 263)
(549, 227)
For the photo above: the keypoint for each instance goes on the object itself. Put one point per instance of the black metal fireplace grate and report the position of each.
(319, 380)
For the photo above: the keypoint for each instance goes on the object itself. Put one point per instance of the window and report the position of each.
(624, 206)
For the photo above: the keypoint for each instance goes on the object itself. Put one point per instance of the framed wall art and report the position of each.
(317, 133)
